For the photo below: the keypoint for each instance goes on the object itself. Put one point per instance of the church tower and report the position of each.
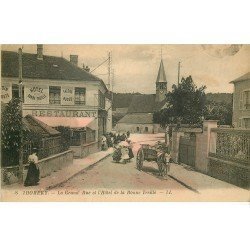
(161, 84)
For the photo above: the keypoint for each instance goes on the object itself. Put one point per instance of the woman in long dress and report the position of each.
(32, 178)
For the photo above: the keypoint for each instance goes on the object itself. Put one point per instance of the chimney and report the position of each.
(39, 51)
(74, 59)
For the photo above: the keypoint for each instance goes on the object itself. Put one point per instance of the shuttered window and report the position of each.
(247, 99)
(247, 122)
(54, 95)
(80, 96)
(15, 91)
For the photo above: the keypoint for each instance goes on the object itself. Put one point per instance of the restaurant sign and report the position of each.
(36, 95)
(6, 93)
(67, 96)
(62, 113)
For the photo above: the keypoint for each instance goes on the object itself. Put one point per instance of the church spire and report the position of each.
(161, 77)
(161, 84)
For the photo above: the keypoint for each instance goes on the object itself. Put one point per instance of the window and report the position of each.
(15, 91)
(146, 129)
(80, 96)
(54, 95)
(247, 122)
(245, 100)
(137, 129)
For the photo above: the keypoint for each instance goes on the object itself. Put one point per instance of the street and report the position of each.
(110, 175)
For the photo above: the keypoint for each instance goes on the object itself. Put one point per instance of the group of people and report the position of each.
(122, 146)
(123, 152)
(110, 140)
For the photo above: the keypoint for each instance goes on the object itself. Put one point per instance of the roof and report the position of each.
(242, 78)
(72, 122)
(140, 118)
(145, 104)
(39, 127)
(51, 67)
(161, 77)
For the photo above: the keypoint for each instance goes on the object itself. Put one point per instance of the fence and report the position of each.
(82, 137)
(46, 147)
(230, 144)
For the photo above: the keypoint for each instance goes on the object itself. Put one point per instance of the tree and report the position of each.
(220, 111)
(65, 136)
(185, 103)
(11, 125)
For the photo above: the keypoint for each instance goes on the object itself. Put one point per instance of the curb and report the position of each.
(74, 175)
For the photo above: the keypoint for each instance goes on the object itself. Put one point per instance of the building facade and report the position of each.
(57, 89)
(241, 102)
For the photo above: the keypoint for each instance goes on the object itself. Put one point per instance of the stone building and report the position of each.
(139, 117)
(57, 91)
(241, 101)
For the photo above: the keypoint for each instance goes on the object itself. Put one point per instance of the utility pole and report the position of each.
(179, 66)
(20, 76)
(112, 87)
(109, 70)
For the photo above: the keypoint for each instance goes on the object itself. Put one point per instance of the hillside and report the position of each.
(220, 97)
(123, 100)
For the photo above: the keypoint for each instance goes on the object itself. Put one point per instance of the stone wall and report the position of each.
(231, 172)
(55, 162)
(9, 175)
(85, 149)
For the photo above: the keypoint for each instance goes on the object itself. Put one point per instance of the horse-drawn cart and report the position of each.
(157, 153)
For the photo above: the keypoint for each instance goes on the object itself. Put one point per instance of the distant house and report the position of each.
(241, 101)
(139, 117)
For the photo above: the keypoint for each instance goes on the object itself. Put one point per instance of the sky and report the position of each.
(136, 66)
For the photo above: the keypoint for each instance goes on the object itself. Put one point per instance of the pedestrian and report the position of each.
(130, 149)
(33, 174)
(104, 143)
(128, 134)
(124, 137)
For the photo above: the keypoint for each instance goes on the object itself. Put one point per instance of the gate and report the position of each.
(187, 150)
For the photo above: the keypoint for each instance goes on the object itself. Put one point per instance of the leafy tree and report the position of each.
(65, 136)
(11, 125)
(220, 111)
(186, 104)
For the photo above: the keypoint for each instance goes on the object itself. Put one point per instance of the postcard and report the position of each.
(160, 122)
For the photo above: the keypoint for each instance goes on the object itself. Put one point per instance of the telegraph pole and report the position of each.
(109, 70)
(112, 86)
(20, 76)
(179, 66)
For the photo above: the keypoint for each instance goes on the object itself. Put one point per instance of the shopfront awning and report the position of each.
(72, 122)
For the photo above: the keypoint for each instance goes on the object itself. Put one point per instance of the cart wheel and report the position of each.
(139, 159)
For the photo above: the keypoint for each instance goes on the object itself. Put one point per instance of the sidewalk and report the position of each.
(209, 187)
(63, 175)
